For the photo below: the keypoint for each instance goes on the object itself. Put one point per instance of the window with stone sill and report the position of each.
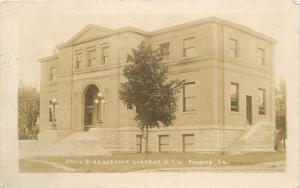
(139, 143)
(78, 59)
(261, 56)
(261, 101)
(233, 47)
(189, 47)
(165, 51)
(163, 143)
(188, 142)
(234, 97)
(189, 98)
(105, 54)
(91, 57)
(52, 73)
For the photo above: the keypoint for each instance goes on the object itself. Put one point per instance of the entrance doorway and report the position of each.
(249, 109)
(90, 107)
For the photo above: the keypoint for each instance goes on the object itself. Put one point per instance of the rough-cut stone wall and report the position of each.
(206, 139)
(209, 138)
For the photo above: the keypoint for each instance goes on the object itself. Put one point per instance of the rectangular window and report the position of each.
(189, 97)
(91, 57)
(234, 94)
(52, 73)
(105, 54)
(261, 56)
(189, 47)
(139, 143)
(164, 50)
(233, 47)
(188, 142)
(78, 59)
(163, 143)
(261, 101)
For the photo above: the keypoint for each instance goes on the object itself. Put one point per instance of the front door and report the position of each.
(90, 107)
(249, 109)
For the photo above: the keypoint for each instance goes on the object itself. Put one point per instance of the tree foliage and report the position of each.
(148, 90)
(28, 109)
(281, 109)
(280, 104)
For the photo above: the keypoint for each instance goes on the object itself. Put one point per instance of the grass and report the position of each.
(30, 166)
(125, 162)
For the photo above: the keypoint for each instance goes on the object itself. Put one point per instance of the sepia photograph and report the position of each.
(120, 88)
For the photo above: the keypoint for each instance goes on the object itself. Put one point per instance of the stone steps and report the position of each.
(65, 143)
(259, 137)
(82, 143)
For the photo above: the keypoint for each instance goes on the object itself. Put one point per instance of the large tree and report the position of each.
(28, 107)
(148, 90)
(281, 111)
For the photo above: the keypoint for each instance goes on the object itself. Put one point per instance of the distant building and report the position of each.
(227, 103)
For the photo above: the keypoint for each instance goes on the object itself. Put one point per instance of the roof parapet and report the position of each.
(109, 32)
(214, 20)
(45, 59)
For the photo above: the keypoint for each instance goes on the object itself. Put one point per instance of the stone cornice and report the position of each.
(46, 59)
(174, 28)
(113, 32)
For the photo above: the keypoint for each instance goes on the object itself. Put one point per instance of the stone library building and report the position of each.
(227, 103)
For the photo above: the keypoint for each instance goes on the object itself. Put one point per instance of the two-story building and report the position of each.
(227, 103)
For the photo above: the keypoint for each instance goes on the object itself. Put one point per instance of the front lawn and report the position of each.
(126, 162)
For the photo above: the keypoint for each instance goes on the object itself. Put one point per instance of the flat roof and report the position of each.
(48, 58)
(110, 32)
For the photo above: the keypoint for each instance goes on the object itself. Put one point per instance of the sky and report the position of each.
(40, 26)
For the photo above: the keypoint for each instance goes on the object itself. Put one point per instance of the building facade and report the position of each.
(227, 103)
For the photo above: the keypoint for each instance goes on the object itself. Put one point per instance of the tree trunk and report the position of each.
(146, 142)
